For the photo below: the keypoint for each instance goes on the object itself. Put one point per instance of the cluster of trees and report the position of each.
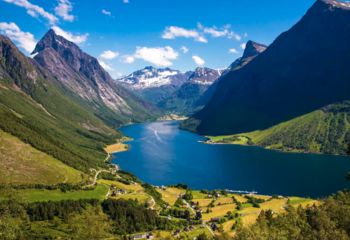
(80, 219)
(329, 221)
(149, 189)
(254, 201)
(42, 211)
(177, 213)
(128, 216)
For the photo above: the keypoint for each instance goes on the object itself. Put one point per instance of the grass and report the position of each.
(131, 187)
(20, 163)
(43, 195)
(139, 196)
(304, 202)
(219, 211)
(135, 191)
(224, 200)
(183, 235)
(239, 198)
(203, 202)
(198, 194)
(170, 195)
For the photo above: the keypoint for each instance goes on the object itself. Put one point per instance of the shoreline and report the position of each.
(292, 151)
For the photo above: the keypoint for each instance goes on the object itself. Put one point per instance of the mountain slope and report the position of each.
(20, 163)
(304, 69)
(39, 110)
(323, 131)
(252, 50)
(84, 76)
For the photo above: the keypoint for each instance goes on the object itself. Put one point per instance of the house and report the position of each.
(139, 236)
(176, 233)
(214, 227)
(149, 236)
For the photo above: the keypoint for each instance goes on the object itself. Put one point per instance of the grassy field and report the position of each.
(184, 235)
(41, 195)
(134, 191)
(20, 163)
(131, 187)
(170, 195)
(219, 211)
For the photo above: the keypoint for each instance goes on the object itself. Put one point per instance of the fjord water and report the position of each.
(162, 154)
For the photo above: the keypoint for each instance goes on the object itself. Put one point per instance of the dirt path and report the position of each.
(96, 176)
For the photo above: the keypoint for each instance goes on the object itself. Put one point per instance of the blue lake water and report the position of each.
(162, 154)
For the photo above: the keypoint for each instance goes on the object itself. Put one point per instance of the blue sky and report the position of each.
(126, 35)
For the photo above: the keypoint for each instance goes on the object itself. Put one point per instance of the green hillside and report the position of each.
(323, 131)
(20, 163)
(40, 111)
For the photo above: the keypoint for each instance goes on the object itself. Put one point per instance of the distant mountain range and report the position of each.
(303, 70)
(171, 90)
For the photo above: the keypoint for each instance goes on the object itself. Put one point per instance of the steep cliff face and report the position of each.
(83, 75)
(304, 69)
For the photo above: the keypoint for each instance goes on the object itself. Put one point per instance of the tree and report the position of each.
(11, 227)
(202, 237)
(91, 224)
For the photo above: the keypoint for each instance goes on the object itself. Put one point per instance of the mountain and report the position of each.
(151, 77)
(252, 50)
(171, 90)
(304, 69)
(185, 100)
(40, 111)
(83, 75)
(154, 84)
(326, 130)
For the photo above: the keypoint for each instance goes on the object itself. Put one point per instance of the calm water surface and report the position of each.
(162, 154)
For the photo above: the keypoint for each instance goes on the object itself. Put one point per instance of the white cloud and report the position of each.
(70, 36)
(106, 12)
(25, 40)
(109, 55)
(198, 60)
(173, 32)
(243, 45)
(233, 50)
(106, 66)
(200, 33)
(159, 56)
(184, 49)
(215, 32)
(125, 1)
(34, 10)
(128, 59)
(63, 10)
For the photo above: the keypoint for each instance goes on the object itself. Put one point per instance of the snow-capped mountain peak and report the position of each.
(151, 77)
